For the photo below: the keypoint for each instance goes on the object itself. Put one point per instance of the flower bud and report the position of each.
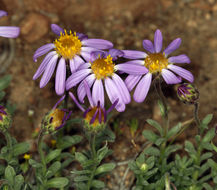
(55, 119)
(187, 93)
(5, 119)
(143, 167)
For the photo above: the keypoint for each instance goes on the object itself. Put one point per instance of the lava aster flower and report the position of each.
(95, 116)
(69, 48)
(8, 31)
(156, 62)
(102, 68)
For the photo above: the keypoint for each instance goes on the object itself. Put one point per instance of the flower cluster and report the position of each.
(91, 66)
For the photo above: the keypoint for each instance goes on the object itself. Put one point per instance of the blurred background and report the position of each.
(126, 23)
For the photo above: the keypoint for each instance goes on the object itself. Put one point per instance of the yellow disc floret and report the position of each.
(68, 45)
(57, 116)
(90, 115)
(103, 67)
(155, 62)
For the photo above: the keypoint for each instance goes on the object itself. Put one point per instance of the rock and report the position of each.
(34, 26)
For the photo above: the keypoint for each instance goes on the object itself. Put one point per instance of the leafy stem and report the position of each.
(9, 144)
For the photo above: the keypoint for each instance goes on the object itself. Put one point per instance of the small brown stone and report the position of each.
(34, 26)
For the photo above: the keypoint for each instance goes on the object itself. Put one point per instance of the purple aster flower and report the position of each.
(69, 48)
(156, 62)
(95, 116)
(102, 69)
(8, 31)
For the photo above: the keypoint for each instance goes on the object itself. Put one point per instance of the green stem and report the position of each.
(42, 156)
(9, 143)
(94, 157)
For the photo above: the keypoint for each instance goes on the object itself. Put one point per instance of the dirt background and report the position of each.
(126, 23)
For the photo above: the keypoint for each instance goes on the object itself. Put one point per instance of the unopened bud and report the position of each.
(5, 119)
(187, 93)
(144, 167)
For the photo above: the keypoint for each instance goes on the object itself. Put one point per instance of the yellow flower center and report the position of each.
(68, 45)
(57, 116)
(103, 67)
(26, 156)
(155, 62)
(90, 115)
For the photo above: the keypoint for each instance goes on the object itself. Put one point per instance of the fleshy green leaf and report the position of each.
(209, 135)
(35, 164)
(173, 131)
(149, 135)
(105, 168)
(68, 141)
(81, 178)
(58, 182)
(156, 125)
(52, 155)
(80, 157)
(53, 169)
(5, 81)
(10, 174)
(19, 180)
(98, 184)
(20, 148)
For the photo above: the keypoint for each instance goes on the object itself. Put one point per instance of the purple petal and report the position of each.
(97, 43)
(182, 72)
(81, 89)
(113, 94)
(131, 81)
(112, 107)
(142, 88)
(87, 89)
(94, 117)
(169, 77)
(89, 49)
(58, 102)
(179, 59)
(96, 54)
(115, 53)
(42, 50)
(48, 71)
(136, 62)
(56, 29)
(9, 31)
(81, 36)
(76, 77)
(172, 46)
(86, 56)
(125, 95)
(133, 54)
(43, 65)
(98, 93)
(75, 63)
(84, 66)
(132, 69)
(3, 13)
(158, 41)
(60, 81)
(148, 45)
(76, 102)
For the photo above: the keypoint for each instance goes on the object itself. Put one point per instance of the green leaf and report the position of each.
(189, 147)
(98, 184)
(152, 151)
(149, 135)
(52, 155)
(207, 119)
(215, 180)
(5, 81)
(212, 164)
(35, 164)
(156, 125)
(81, 178)
(101, 153)
(214, 147)
(209, 135)
(53, 169)
(173, 131)
(68, 141)
(105, 168)
(2, 95)
(161, 106)
(205, 156)
(19, 180)
(80, 157)
(207, 186)
(82, 172)
(58, 182)
(10, 174)
(21, 148)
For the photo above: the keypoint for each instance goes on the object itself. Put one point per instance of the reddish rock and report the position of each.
(34, 26)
